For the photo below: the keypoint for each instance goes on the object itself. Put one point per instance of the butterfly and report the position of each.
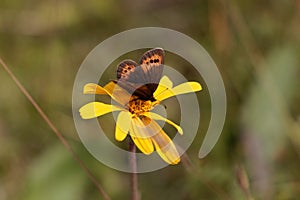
(141, 79)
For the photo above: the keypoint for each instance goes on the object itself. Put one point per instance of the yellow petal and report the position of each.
(112, 89)
(165, 147)
(163, 144)
(96, 109)
(117, 93)
(122, 125)
(145, 145)
(168, 153)
(109, 87)
(180, 89)
(92, 88)
(140, 130)
(164, 84)
(159, 117)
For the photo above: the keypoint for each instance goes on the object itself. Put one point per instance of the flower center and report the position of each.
(139, 106)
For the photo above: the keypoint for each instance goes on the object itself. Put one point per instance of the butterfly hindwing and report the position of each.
(125, 68)
(142, 79)
(129, 76)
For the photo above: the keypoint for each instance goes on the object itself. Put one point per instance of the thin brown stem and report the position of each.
(243, 181)
(134, 178)
(55, 130)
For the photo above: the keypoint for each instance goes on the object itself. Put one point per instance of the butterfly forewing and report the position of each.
(142, 79)
(152, 64)
(152, 58)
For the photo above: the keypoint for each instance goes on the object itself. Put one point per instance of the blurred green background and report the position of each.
(255, 44)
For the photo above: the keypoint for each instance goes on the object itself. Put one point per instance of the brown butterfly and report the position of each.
(142, 79)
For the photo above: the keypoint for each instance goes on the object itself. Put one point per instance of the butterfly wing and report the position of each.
(129, 77)
(125, 70)
(152, 65)
(142, 80)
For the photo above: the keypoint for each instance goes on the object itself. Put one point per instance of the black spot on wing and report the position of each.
(142, 80)
(125, 68)
(153, 56)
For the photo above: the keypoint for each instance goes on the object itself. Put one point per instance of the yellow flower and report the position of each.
(135, 117)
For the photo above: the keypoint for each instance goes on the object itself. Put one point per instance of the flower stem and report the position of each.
(60, 136)
(134, 179)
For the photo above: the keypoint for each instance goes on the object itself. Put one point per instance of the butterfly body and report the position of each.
(141, 79)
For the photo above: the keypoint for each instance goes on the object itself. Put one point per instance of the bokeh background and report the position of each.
(256, 46)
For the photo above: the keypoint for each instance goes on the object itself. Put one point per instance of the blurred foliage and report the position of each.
(256, 45)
